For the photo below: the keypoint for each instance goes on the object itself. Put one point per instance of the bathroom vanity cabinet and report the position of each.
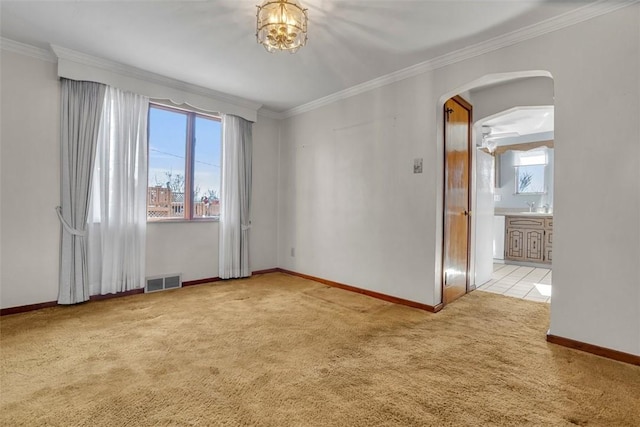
(529, 238)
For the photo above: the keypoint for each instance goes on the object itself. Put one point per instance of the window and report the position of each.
(530, 171)
(184, 164)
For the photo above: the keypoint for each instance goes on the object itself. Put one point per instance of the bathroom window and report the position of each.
(530, 171)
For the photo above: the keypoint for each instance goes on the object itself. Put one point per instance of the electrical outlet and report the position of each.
(293, 252)
(497, 197)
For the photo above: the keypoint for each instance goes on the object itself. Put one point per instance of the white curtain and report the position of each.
(235, 197)
(117, 217)
(81, 109)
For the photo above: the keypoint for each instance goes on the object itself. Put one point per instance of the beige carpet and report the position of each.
(277, 350)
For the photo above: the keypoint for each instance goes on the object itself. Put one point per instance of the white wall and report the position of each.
(263, 236)
(494, 99)
(30, 169)
(182, 247)
(356, 214)
(350, 203)
(30, 180)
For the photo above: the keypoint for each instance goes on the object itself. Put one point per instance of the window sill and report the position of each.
(182, 220)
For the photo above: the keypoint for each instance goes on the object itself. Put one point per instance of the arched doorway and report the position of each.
(523, 96)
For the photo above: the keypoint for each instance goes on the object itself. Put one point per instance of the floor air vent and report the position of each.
(162, 283)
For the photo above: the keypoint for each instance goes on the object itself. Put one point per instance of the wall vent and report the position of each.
(162, 283)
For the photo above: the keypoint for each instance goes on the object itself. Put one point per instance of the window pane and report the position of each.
(529, 158)
(167, 151)
(530, 179)
(206, 169)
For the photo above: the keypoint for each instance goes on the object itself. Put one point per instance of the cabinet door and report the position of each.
(514, 244)
(534, 240)
(548, 246)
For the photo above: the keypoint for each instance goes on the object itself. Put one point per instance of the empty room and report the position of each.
(320, 213)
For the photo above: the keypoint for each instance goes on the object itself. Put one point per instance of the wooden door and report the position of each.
(455, 256)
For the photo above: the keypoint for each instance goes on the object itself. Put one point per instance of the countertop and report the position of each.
(513, 212)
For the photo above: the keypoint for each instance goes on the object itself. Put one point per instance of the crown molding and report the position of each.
(128, 71)
(270, 114)
(567, 19)
(579, 15)
(27, 50)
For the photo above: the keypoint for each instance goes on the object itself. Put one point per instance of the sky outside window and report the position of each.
(167, 144)
(206, 173)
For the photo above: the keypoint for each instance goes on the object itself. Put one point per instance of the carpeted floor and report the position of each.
(277, 350)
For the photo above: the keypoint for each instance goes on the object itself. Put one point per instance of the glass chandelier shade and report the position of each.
(281, 25)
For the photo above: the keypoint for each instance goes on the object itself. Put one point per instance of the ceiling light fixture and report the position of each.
(281, 25)
(490, 139)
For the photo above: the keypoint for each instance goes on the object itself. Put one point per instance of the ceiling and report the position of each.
(521, 121)
(212, 43)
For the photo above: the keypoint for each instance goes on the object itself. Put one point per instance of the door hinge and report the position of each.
(447, 112)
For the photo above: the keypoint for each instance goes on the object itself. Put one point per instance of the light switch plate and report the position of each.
(417, 165)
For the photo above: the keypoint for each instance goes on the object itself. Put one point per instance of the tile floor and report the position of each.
(530, 283)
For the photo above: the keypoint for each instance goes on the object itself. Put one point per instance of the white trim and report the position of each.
(270, 114)
(567, 19)
(27, 50)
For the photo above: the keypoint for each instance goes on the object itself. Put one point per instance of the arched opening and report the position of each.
(526, 99)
